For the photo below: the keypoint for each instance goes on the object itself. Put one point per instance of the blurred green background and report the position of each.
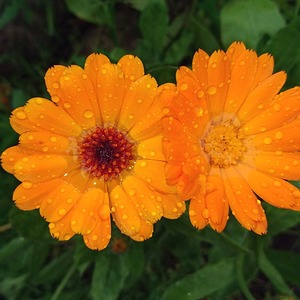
(179, 262)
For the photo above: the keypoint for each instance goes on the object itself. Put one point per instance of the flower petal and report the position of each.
(46, 115)
(44, 142)
(199, 67)
(151, 148)
(78, 97)
(145, 232)
(284, 108)
(37, 168)
(110, 92)
(143, 198)
(132, 68)
(29, 196)
(275, 191)
(93, 64)
(284, 138)
(243, 203)
(279, 164)
(61, 229)
(59, 201)
(139, 98)
(124, 211)
(241, 80)
(9, 157)
(85, 213)
(261, 96)
(197, 211)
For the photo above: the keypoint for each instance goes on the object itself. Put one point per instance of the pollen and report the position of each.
(224, 144)
(106, 153)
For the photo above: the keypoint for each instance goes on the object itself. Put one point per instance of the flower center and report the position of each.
(224, 144)
(106, 153)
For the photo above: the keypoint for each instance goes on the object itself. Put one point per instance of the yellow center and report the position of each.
(224, 144)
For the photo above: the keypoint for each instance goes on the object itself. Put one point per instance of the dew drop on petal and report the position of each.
(56, 85)
(200, 94)
(104, 212)
(183, 87)
(276, 107)
(212, 90)
(67, 105)
(143, 164)
(26, 185)
(267, 141)
(278, 135)
(21, 115)
(205, 213)
(62, 212)
(88, 114)
(125, 217)
(277, 183)
(132, 192)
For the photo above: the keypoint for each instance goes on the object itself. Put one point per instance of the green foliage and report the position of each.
(178, 262)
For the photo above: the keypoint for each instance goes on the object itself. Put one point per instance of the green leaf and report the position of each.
(94, 11)
(9, 10)
(153, 25)
(109, 276)
(280, 220)
(249, 21)
(270, 271)
(286, 51)
(202, 283)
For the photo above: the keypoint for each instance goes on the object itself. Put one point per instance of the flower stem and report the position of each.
(63, 283)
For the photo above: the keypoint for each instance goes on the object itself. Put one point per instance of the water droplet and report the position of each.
(55, 98)
(131, 77)
(51, 225)
(255, 211)
(213, 65)
(116, 196)
(212, 90)
(125, 217)
(104, 212)
(26, 185)
(267, 141)
(25, 159)
(94, 237)
(45, 149)
(277, 183)
(263, 129)
(21, 115)
(56, 85)
(84, 76)
(143, 164)
(53, 139)
(264, 184)
(296, 193)
(132, 192)
(152, 153)
(276, 107)
(148, 86)
(242, 63)
(30, 137)
(153, 213)
(88, 114)
(67, 105)
(183, 86)
(200, 94)
(38, 101)
(205, 213)
(130, 117)
(62, 212)
(192, 213)
(165, 110)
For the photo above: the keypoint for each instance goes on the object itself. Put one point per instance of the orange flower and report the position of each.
(93, 152)
(230, 136)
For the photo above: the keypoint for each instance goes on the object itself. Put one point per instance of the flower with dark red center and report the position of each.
(94, 151)
(230, 136)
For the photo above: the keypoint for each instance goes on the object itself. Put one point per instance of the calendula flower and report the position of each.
(231, 136)
(94, 151)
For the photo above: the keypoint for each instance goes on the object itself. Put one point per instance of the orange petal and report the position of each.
(218, 78)
(100, 235)
(132, 68)
(241, 80)
(151, 148)
(191, 106)
(261, 96)
(59, 201)
(173, 206)
(284, 109)
(138, 99)
(78, 97)
(29, 196)
(279, 164)
(85, 213)
(37, 168)
(234, 51)
(93, 64)
(143, 198)
(216, 204)
(243, 203)
(110, 92)
(173, 173)
(199, 67)
(124, 211)
(152, 172)
(198, 211)
(179, 144)
(20, 122)
(52, 78)
(145, 232)
(9, 157)
(46, 115)
(275, 191)
(45, 142)
(265, 68)
(61, 229)
(285, 138)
